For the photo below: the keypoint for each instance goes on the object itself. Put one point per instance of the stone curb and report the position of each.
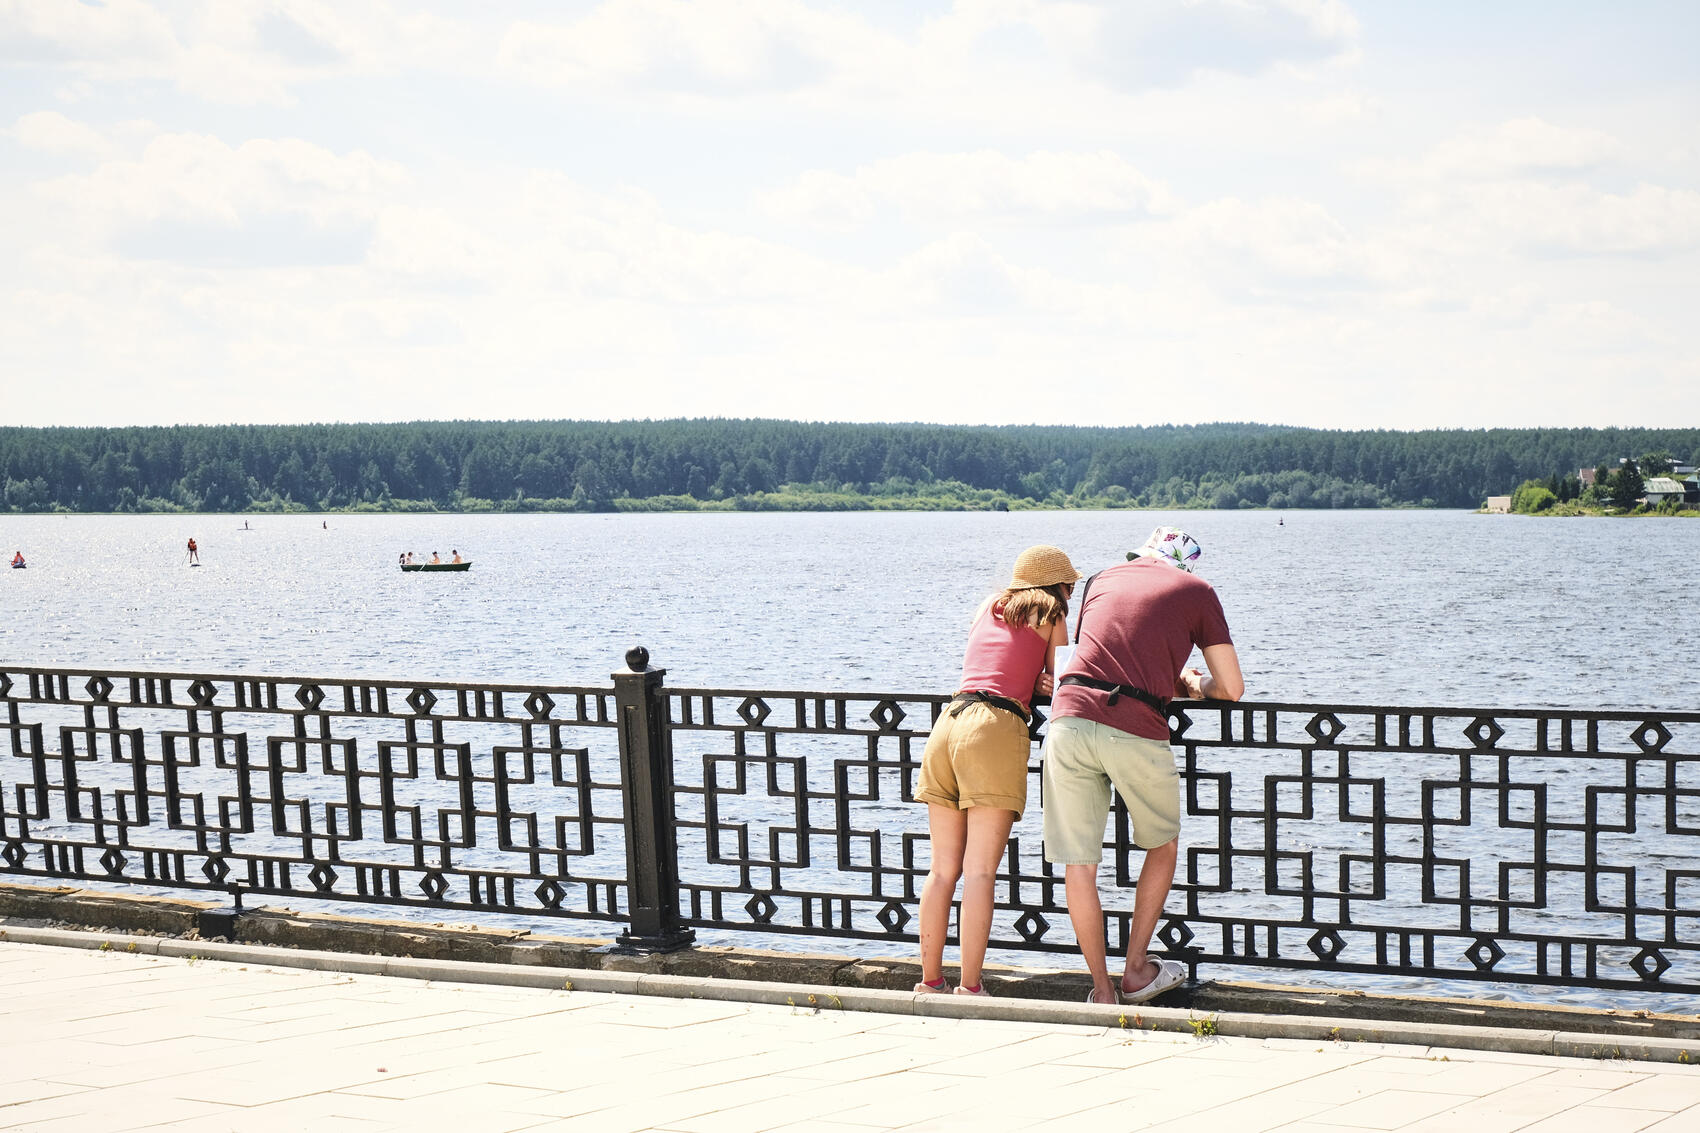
(1442, 1037)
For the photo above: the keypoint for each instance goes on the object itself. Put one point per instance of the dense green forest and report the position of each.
(757, 464)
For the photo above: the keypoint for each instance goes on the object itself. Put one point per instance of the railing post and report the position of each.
(646, 773)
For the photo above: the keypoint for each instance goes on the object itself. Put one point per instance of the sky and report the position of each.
(1304, 212)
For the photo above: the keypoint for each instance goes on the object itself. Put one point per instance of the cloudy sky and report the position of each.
(1311, 212)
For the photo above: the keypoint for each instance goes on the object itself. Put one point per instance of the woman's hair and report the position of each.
(1036, 606)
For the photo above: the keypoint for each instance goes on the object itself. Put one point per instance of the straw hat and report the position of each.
(1043, 565)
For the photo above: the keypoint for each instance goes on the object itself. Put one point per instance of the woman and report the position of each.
(974, 768)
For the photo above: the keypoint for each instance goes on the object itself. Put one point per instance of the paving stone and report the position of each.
(215, 1046)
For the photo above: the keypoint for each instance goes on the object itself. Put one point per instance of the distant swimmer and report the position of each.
(194, 553)
(18, 561)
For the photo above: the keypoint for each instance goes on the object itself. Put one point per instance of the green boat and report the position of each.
(467, 565)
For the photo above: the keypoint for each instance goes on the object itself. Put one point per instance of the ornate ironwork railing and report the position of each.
(470, 797)
(1528, 846)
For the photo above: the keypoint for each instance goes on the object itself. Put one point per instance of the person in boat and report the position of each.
(194, 551)
(435, 557)
(974, 768)
(456, 558)
(18, 559)
(401, 559)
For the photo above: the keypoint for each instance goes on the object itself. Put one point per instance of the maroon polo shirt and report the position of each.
(1138, 625)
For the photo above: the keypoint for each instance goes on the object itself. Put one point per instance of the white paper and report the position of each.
(1064, 654)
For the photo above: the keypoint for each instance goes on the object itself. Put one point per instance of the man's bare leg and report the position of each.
(1156, 876)
(1080, 883)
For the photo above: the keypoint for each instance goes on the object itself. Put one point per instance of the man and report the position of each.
(1139, 622)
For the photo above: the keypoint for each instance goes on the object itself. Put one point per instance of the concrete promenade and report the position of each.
(112, 1040)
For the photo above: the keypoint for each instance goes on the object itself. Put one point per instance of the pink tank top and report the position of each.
(1002, 659)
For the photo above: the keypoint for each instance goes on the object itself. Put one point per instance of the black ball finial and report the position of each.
(637, 658)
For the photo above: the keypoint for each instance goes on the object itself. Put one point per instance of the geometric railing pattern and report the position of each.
(457, 796)
(1516, 846)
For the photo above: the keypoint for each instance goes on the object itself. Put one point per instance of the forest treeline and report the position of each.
(760, 464)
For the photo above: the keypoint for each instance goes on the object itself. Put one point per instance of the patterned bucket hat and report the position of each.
(1172, 545)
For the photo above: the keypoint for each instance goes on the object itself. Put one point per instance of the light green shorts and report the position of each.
(1082, 759)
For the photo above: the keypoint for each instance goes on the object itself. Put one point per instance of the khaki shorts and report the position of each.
(976, 758)
(1082, 759)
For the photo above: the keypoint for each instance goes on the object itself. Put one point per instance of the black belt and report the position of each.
(1118, 691)
(964, 699)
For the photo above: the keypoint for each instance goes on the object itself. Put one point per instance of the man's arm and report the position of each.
(1225, 681)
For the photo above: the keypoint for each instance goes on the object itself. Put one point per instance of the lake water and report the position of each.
(1406, 607)
(1399, 607)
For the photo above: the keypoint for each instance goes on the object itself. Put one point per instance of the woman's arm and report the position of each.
(1047, 682)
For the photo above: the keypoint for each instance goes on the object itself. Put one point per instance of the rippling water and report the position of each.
(1368, 607)
(1411, 608)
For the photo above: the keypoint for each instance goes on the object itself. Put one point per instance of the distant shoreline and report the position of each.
(1571, 511)
(721, 507)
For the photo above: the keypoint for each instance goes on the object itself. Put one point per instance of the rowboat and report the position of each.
(467, 565)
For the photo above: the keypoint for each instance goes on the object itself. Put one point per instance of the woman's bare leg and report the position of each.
(948, 829)
(988, 838)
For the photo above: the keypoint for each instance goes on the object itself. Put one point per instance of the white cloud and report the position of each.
(52, 132)
(118, 31)
(1276, 247)
(199, 200)
(1519, 147)
(1165, 42)
(1650, 220)
(240, 52)
(1066, 187)
(686, 45)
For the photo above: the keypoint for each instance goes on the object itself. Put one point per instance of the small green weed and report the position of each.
(1202, 1028)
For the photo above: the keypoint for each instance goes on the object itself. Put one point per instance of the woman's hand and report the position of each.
(1045, 685)
(1190, 685)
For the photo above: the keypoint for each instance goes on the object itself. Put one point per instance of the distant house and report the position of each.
(1586, 475)
(1499, 505)
(1662, 488)
(1691, 491)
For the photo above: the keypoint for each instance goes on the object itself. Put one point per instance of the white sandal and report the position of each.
(1170, 973)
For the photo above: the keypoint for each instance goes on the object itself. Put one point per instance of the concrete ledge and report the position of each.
(469, 954)
(810, 997)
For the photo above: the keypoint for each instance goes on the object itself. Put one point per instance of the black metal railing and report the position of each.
(1522, 846)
